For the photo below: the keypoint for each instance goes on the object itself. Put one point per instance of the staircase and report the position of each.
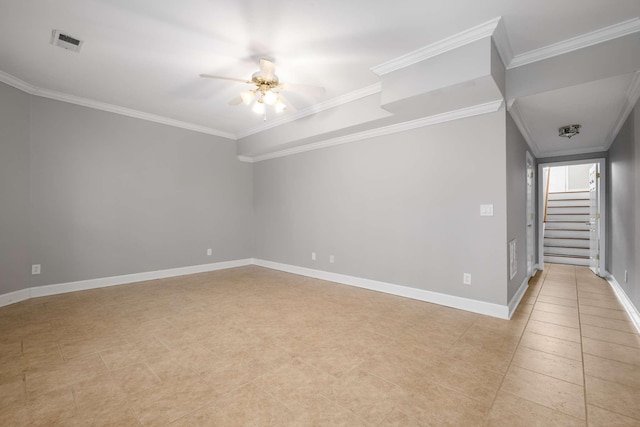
(566, 232)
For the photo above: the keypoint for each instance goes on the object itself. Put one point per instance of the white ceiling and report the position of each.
(595, 105)
(146, 55)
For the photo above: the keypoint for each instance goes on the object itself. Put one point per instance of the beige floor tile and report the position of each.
(553, 393)
(552, 345)
(134, 379)
(555, 331)
(260, 347)
(52, 408)
(171, 400)
(602, 322)
(620, 353)
(399, 419)
(571, 321)
(513, 411)
(369, 397)
(295, 383)
(599, 417)
(555, 308)
(614, 397)
(612, 370)
(611, 304)
(132, 353)
(549, 364)
(604, 312)
(484, 357)
(433, 404)
(467, 378)
(246, 406)
(611, 336)
(567, 302)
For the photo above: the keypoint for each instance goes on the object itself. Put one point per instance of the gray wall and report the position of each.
(89, 194)
(624, 206)
(14, 189)
(516, 203)
(401, 208)
(114, 195)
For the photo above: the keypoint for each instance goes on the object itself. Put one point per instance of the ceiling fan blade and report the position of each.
(267, 69)
(315, 91)
(209, 76)
(236, 101)
(290, 107)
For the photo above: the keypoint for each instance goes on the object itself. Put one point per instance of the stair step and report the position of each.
(572, 195)
(566, 251)
(573, 210)
(568, 217)
(564, 233)
(565, 225)
(568, 242)
(566, 260)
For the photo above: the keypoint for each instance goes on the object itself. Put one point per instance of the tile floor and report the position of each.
(257, 347)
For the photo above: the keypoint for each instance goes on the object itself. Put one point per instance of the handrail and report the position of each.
(546, 194)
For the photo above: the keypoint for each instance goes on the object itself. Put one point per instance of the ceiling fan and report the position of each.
(268, 89)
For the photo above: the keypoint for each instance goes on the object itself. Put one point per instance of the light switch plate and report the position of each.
(486, 210)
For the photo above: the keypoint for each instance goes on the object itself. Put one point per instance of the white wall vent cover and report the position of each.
(65, 41)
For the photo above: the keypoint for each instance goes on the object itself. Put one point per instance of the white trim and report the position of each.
(86, 102)
(503, 45)
(489, 107)
(573, 152)
(481, 307)
(515, 301)
(455, 41)
(602, 208)
(579, 42)
(14, 297)
(631, 97)
(81, 285)
(61, 288)
(624, 299)
(516, 115)
(314, 109)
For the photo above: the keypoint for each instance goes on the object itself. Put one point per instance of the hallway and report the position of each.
(578, 348)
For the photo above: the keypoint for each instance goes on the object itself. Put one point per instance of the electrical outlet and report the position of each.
(332, 259)
(209, 252)
(626, 276)
(313, 256)
(466, 278)
(35, 269)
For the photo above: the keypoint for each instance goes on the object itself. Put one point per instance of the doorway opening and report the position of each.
(571, 215)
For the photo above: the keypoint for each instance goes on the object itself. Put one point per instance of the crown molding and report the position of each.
(631, 97)
(516, 115)
(572, 152)
(460, 39)
(489, 107)
(502, 43)
(85, 102)
(314, 109)
(584, 40)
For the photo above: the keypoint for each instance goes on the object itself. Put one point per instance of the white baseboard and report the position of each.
(515, 301)
(61, 288)
(481, 307)
(14, 297)
(631, 309)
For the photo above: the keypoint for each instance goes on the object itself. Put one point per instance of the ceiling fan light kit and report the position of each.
(267, 90)
(569, 131)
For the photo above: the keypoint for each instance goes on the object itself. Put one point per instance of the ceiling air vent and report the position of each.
(65, 41)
